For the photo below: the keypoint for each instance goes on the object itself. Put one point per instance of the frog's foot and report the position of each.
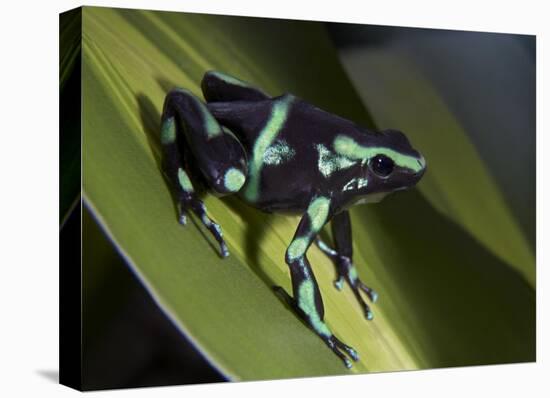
(337, 347)
(190, 202)
(320, 328)
(346, 271)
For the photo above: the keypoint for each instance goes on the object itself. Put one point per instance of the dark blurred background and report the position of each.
(129, 342)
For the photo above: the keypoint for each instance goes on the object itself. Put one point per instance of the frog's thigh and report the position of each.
(217, 152)
(217, 86)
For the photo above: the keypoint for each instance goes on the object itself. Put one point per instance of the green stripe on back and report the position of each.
(275, 123)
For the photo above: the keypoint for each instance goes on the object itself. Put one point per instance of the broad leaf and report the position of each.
(227, 307)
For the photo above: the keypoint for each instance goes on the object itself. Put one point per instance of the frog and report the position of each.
(284, 155)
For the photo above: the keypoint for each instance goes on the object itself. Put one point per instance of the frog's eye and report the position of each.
(381, 165)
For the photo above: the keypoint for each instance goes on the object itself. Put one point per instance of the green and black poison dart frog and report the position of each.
(282, 154)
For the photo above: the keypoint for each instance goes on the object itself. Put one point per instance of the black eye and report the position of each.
(382, 165)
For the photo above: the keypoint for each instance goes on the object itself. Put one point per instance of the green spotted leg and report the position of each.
(192, 139)
(307, 299)
(342, 257)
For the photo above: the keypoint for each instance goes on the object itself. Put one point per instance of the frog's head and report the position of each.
(388, 164)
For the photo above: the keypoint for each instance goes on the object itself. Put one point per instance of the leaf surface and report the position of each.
(227, 307)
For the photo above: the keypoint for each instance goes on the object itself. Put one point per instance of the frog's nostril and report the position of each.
(397, 138)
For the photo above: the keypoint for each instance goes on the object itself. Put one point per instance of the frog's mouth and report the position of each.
(379, 196)
(373, 198)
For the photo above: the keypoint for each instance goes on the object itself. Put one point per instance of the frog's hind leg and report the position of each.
(342, 258)
(219, 87)
(190, 135)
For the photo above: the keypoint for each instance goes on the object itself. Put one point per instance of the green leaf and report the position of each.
(69, 116)
(424, 317)
(130, 60)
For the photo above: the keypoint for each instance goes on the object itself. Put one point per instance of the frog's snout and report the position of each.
(421, 168)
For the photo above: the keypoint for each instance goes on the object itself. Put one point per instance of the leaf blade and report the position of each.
(121, 164)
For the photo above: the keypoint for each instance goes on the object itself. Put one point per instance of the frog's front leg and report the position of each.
(342, 257)
(307, 297)
(191, 135)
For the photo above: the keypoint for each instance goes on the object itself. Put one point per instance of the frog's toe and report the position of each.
(199, 209)
(339, 283)
(371, 294)
(366, 309)
(182, 215)
(374, 296)
(368, 314)
(223, 250)
(216, 231)
(341, 349)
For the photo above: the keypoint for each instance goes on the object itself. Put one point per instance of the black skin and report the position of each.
(209, 139)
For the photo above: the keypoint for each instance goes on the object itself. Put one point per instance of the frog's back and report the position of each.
(287, 141)
(284, 139)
